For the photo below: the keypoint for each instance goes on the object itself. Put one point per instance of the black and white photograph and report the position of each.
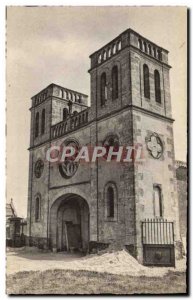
(96, 150)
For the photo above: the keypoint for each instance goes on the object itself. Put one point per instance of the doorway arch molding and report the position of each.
(69, 210)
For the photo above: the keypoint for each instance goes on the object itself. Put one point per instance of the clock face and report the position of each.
(39, 167)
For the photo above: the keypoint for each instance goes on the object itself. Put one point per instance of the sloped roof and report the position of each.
(10, 210)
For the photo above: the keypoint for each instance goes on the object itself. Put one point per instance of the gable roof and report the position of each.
(10, 210)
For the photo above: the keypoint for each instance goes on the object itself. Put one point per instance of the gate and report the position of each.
(158, 242)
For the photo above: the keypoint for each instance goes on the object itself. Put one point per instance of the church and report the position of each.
(98, 205)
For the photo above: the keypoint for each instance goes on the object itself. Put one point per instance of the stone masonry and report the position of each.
(131, 119)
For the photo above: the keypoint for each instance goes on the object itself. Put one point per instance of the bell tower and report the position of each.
(155, 178)
(110, 77)
(130, 70)
(149, 75)
(130, 86)
(130, 106)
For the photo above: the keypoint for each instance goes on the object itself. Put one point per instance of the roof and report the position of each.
(59, 86)
(129, 30)
(10, 210)
(180, 163)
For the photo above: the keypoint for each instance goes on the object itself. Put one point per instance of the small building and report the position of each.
(15, 227)
(10, 213)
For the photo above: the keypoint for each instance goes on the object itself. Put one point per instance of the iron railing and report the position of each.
(157, 232)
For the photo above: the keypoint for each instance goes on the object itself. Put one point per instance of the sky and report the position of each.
(52, 45)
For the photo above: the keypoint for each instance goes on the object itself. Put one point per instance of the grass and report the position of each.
(87, 282)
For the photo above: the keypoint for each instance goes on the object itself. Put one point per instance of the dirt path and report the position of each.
(119, 262)
(33, 260)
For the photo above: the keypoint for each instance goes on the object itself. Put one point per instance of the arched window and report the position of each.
(64, 94)
(103, 89)
(111, 140)
(43, 121)
(146, 81)
(115, 84)
(60, 93)
(110, 202)
(145, 46)
(157, 86)
(99, 59)
(65, 113)
(119, 45)
(149, 48)
(70, 96)
(154, 52)
(37, 209)
(37, 124)
(109, 52)
(140, 44)
(114, 48)
(159, 55)
(157, 202)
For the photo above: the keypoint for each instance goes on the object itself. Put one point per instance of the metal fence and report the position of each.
(157, 232)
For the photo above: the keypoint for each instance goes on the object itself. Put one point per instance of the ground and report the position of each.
(30, 271)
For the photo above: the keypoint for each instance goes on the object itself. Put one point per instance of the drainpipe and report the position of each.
(97, 157)
(31, 184)
(48, 207)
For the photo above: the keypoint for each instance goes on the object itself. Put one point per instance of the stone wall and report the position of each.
(122, 62)
(181, 175)
(120, 229)
(155, 172)
(41, 138)
(132, 118)
(137, 82)
(57, 109)
(38, 187)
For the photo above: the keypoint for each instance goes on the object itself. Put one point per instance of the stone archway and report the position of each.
(69, 224)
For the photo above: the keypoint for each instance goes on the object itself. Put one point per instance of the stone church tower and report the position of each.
(89, 206)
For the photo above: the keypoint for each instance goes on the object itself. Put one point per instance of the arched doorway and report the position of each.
(69, 224)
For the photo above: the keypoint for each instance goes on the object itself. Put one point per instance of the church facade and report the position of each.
(89, 206)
